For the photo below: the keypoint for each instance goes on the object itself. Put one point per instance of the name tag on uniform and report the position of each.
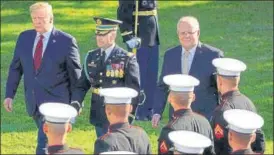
(91, 64)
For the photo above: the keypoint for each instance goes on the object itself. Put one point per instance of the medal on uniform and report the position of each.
(122, 64)
(112, 70)
(114, 81)
(91, 64)
(121, 70)
(108, 71)
(117, 70)
(121, 73)
(112, 73)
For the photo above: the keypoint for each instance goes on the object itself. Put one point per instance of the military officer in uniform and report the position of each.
(242, 126)
(107, 66)
(121, 135)
(57, 125)
(180, 97)
(228, 78)
(188, 142)
(148, 48)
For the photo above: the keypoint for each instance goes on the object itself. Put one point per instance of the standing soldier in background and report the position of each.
(107, 66)
(145, 37)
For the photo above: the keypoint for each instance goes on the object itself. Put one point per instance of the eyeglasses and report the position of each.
(39, 18)
(187, 33)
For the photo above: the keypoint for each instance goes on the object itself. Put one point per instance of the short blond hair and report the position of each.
(41, 5)
(181, 98)
(193, 21)
(121, 111)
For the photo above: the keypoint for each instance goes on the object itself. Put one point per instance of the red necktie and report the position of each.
(38, 53)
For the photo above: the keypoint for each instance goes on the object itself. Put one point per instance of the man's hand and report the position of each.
(134, 42)
(155, 120)
(8, 104)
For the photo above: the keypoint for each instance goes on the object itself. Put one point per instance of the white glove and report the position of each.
(134, 42)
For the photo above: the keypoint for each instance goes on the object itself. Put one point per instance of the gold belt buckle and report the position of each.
(95, 90)
(146, 13)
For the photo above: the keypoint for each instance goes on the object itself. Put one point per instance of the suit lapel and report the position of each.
(178, 58)
(196, 59)
(48, 50)
(30, 48)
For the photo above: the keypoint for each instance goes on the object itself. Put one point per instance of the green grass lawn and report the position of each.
(243, 30)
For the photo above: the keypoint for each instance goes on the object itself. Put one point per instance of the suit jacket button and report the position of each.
(101, 73)
(100, 81)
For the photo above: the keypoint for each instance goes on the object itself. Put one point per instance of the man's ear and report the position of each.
(69, 128)
(45, 128)
(108, 112)
(51, 20)
(253, 137)
(229, 136)
(198, 33)
(193, 97)
(169, 97)
(219, 82)
(130, 109)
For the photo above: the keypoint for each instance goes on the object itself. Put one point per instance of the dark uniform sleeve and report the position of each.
(259, 145)
(15, 71)
(101, 146)
(73, 64)
(210, 150)
(164, 144)
(132, 79)
(79, 91)
(125, 14)
(220, 132)
(161, 91)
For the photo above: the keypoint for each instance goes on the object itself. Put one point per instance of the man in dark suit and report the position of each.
(148, 49)
(107, 66)
(121, 136)
(49, 60)
(194, 58)
(228, 78)
(57, 125)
